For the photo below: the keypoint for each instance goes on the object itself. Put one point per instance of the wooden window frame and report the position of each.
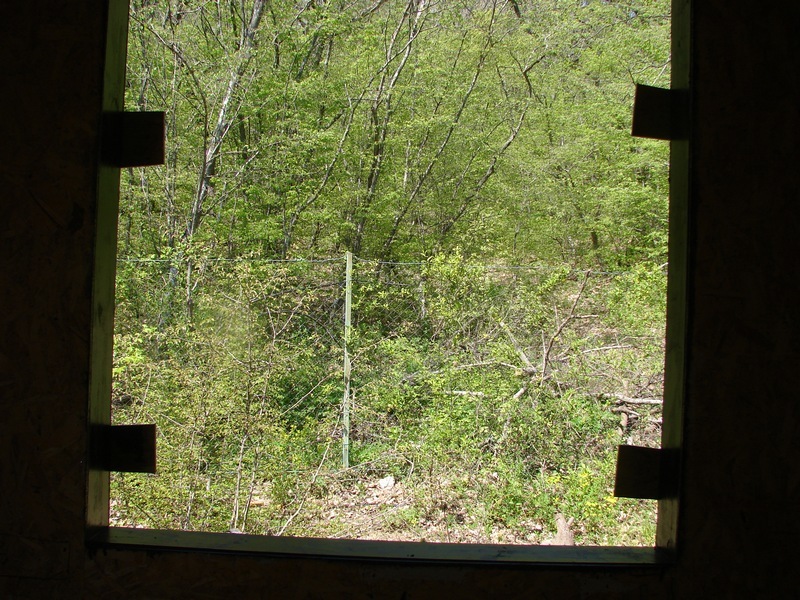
(101, 535)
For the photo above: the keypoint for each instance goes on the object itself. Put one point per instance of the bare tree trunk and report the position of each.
(412, 16)
(226, 114)
(400, 215)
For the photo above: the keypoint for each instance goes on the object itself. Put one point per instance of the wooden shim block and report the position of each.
(646, 473)
(133, 139)
(123, 448)
(660, 113)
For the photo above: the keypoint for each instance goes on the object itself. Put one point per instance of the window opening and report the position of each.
(465, 174)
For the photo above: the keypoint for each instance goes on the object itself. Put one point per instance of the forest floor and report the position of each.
(453, 505)
(440, 510)
(385, 509)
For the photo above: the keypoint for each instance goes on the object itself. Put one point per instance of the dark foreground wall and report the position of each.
(741, 487)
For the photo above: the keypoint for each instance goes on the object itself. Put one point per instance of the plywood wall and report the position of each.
(741, 479)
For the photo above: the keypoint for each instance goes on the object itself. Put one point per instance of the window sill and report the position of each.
(571, 556)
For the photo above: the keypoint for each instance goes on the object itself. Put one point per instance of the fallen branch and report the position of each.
(529, 368)
(604, 348)
(564, 535)
(548, 347)
(625, 410)
(620, 399)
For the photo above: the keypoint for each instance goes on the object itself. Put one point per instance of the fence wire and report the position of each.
(240, 364)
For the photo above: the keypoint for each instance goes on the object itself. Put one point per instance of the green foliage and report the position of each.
(510, 241)
(637, 300)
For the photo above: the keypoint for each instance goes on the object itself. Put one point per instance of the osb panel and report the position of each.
(741, 482)
(37, 559)
(51, 75)
(121, 574)
(743, 420)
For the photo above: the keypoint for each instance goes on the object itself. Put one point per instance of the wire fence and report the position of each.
(242, 365)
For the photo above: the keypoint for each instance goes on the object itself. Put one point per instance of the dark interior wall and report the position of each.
(741, 478)
(50, 69)
(742, 435)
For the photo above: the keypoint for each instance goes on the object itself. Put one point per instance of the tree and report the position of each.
(510, 239)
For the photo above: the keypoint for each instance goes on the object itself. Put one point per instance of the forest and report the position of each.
(402, 275)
